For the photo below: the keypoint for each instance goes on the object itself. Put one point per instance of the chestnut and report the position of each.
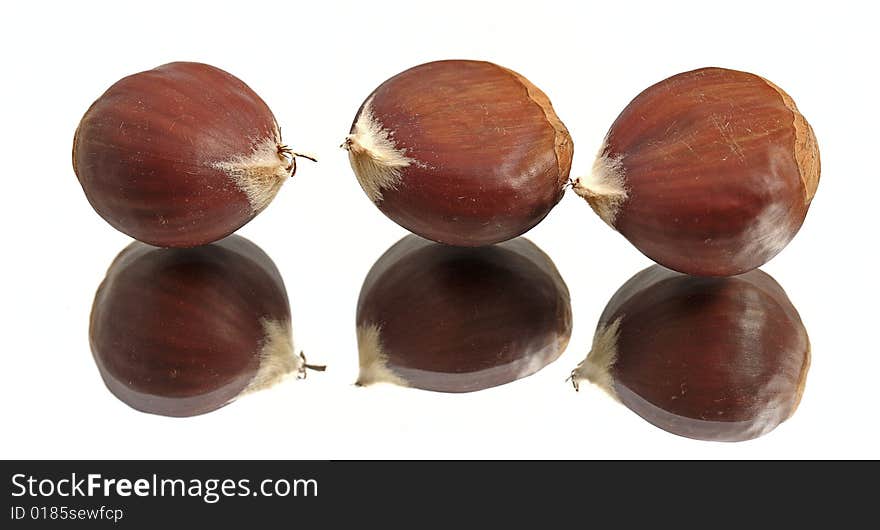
(181, 155)
(465, 153)
(708, 172)
(721, 359)
(181, 332)
(457, 319)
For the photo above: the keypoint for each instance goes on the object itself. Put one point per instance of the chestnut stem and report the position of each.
(291, 157)
(304, 155)
(306, 366)
(574, 381)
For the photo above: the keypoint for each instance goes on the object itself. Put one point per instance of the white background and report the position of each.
(314, 62)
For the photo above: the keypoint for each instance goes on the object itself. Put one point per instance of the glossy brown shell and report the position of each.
(710, 160)
(491, 158)
(456, 319)
(145, 153)
(178, 332)
(720, 359)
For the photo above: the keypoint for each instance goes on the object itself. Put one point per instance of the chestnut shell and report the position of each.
(461, 152)
(721, 359)
(709, 172)
(181, 332)
(180, 155)
(455, 319)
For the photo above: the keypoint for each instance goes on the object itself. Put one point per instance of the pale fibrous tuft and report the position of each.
(375, 158)
(605, 188)
(373, 360)
(596, 368)
(277, 357)
(260, 173)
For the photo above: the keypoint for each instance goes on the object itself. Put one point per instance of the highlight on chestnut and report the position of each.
(181, 155)
(465, 153)
(458, 319)
(709, 172)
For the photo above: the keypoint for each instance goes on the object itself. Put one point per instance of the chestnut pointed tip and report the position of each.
(305, 367)
(260, 173)
(597, 366)
(298, 154)
(373, 360)
(604, 188)
(290, 155)
(573, 380)
(277, 358)
(374, 157)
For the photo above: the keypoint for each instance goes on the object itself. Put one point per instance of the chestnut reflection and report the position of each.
(455, 319)
(181, 332)
(721, 359)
